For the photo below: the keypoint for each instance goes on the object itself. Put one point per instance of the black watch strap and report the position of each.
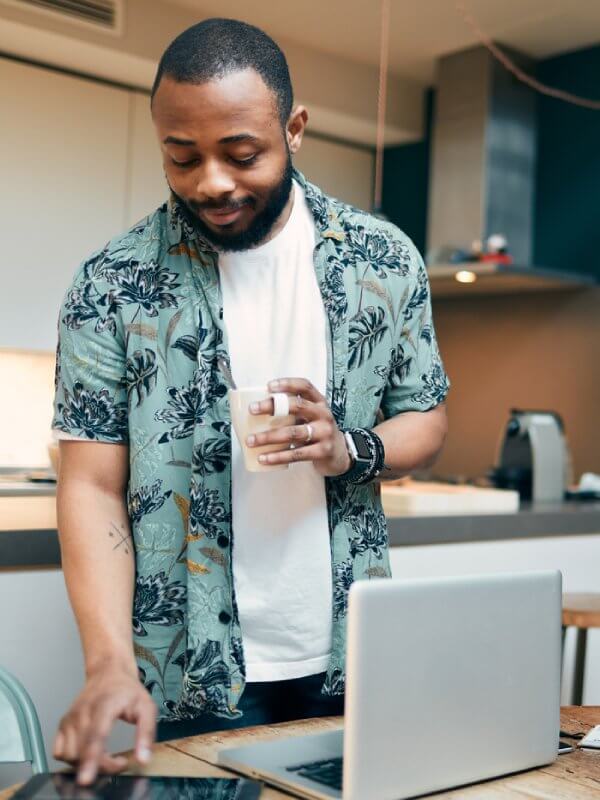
(364, 470)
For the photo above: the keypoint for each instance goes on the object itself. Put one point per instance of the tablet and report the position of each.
(62, 786)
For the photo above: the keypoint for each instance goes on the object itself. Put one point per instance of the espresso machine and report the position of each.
(533, 456)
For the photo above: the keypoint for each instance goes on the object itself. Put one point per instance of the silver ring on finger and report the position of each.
(309, 433)
(292, 446)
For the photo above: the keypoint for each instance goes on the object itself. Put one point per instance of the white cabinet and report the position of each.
(80, 163)
(39, 644)
(148, 187)
(576, 557)
(63, 156)
(343, 171)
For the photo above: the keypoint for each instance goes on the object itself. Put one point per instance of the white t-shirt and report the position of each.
(275, 322)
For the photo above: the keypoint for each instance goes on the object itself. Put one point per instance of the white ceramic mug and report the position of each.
(244, 423)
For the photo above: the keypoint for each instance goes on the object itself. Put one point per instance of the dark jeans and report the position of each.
(263, 704)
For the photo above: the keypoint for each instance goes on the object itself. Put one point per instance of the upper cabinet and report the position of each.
(342, 170)
(63, 157)
(80, 163)
(148, 187)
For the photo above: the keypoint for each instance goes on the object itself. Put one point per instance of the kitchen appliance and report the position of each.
(533, 456)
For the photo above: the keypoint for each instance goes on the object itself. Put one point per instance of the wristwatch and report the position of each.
(366, 453)
(358, 447)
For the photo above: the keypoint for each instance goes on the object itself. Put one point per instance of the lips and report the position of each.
(222, 217)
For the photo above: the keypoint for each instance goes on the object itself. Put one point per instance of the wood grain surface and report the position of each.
(581, 610)
(573, 776)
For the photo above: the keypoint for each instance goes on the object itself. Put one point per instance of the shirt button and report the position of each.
(224, 617)
(223, 541)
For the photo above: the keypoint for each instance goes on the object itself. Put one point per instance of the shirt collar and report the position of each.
(322, 208)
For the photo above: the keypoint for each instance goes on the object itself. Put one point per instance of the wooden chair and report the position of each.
(580, 611)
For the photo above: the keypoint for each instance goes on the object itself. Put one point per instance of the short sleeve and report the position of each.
(416, 378)
(91, 396)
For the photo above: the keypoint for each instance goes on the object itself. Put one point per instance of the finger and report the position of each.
(58, 747)
(298, 407)
(146, 730)
(299, 386)
(71, 745)
(111, 765)
(299, 435)
(313, 452)
(94, 745)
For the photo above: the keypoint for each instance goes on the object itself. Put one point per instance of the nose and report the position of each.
(214, 181)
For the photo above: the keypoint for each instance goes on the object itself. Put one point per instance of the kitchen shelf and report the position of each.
(495, 279)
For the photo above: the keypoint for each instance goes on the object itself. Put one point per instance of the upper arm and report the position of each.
(101, 465)
(91, 366)
(91, 403)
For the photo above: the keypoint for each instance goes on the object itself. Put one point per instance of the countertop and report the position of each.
(558, 519)
(28, 536)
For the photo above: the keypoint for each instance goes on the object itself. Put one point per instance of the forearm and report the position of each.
(99, 569)
(412, 440)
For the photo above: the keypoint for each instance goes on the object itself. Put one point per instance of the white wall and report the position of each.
(577, 557)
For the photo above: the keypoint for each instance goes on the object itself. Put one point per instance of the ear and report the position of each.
(295, 128)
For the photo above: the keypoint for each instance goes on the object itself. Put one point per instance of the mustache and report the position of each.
(232, 205)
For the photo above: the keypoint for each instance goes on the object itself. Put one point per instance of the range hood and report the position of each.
(482, 177)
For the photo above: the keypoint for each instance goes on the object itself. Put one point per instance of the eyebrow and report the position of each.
(175, 140)
(238, 137)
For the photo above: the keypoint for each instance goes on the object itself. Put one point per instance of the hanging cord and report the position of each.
(381, 98)
(510, 65)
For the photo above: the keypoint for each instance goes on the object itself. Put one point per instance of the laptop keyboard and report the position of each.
(328, 771)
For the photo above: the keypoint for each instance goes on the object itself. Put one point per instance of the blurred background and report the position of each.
(486, 154)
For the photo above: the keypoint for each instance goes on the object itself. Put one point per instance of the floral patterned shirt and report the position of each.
(140, 337)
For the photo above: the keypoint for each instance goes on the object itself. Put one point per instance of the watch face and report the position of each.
(361, 447)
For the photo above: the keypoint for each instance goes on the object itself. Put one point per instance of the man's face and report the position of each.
(225, 155)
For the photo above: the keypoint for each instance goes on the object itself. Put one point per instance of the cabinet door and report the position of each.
(341, 170)
(148, 187)
(63, 157)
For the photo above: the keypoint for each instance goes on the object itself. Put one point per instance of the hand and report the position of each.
(315, 437)
(110, 693)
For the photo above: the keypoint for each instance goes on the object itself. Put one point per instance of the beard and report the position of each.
(259, 227)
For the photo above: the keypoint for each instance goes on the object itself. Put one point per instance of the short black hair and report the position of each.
(216, 47)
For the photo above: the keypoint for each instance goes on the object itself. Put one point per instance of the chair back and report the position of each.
(20, 733)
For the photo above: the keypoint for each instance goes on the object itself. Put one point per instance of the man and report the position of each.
(238, 581)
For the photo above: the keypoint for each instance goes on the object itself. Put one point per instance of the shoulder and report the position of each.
(390, 251)
(144, 241)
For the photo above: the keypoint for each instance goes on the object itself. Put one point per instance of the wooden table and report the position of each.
(573, 776)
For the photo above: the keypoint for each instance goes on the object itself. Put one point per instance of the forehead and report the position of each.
(218, 107)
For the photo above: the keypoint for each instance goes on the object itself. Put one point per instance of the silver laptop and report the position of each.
(449, 681)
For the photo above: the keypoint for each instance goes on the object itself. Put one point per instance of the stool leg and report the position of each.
(562, 651)
(580, 648)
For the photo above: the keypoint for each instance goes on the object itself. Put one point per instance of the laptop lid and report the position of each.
(450, 681)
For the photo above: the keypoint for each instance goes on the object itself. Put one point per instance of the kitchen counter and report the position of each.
(28, 536)
(560, 519)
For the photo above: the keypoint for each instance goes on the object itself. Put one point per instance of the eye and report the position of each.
(189, 163)
(245, 162)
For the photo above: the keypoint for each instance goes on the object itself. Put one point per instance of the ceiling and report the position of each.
(421, 30)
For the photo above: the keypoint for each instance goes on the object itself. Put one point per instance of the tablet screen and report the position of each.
(137, 787)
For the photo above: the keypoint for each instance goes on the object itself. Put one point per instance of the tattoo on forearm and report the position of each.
(120, 533)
